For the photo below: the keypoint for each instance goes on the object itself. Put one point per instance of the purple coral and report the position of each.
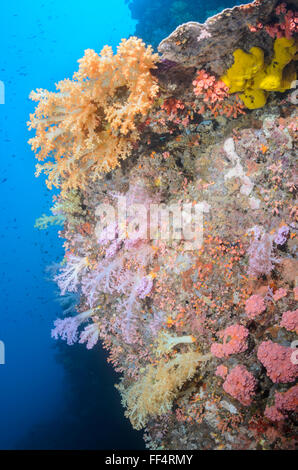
(67, 329)
(261, 259)
(90, 335)
(122, 269)
(145, 286)
(282, 235)
(69, 278)
(157, 321)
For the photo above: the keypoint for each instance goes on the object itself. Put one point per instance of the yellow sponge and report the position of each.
(245, 66)
(250, 75)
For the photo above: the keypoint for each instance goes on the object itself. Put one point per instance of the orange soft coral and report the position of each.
(89, 124)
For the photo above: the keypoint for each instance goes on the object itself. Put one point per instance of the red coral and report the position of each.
(254, 306)
(240, 384)
(234, 341)
(214, 94)
(288, 24)
(171, 106)
(204, 82)
(277, 360)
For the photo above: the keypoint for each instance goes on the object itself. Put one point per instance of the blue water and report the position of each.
(51, 396)
(40, 44)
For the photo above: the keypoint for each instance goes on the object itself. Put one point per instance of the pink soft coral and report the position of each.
(90, 335)
(273, 413)
(122, 270)
(284, 402)
(221, 371)
(277, 361)
(240, 384)
(67, 329)
(279, 294)
(254, 306)
(290, 320)
(234, 341)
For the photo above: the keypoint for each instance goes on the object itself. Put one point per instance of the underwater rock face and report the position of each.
(200, 320)
(212, 43)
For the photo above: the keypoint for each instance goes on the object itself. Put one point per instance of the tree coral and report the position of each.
(67, 208)
(153, 394)
(67, 329)
(90, 123)
(68, 279)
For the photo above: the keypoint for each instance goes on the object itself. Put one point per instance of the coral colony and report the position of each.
(203, 334)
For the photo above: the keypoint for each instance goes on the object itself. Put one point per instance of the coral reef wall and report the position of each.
(198, 311)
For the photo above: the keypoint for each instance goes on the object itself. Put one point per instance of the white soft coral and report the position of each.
(69, 278)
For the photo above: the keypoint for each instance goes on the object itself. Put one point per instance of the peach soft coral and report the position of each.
(89, 124)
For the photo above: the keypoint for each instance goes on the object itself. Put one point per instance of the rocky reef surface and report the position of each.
(203, 332)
